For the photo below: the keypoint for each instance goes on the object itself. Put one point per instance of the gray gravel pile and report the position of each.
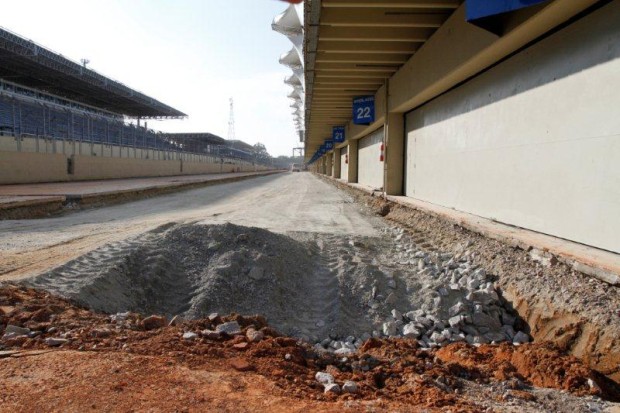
(335, 291)
(436, 298)
(193, 271)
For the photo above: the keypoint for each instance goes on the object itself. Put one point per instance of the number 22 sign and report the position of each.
(363, 110)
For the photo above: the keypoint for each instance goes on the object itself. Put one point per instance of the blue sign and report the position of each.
(363, 110)
(478, 9)
(322, 150)
(329, 144)
(338, 134)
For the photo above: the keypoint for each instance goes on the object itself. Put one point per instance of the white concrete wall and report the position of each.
(534, 141)
(344, 166)
(370, 168)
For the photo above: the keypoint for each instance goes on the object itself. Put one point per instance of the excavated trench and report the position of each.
(332, 290)
(579, 314)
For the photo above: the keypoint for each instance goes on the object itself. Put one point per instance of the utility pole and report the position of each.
(300, 150)
(231, 122)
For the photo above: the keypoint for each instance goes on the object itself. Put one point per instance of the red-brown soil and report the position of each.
(122, 367)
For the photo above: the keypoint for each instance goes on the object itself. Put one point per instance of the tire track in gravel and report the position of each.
(281, 203)
(322, 288)
(157, 283)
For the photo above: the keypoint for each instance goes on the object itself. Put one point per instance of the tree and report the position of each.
(261, 151)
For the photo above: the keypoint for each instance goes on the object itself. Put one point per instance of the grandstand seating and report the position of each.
(87, 106)
(6, 116)
(42, 118)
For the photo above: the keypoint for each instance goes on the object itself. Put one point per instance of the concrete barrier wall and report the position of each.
(32, 160)
(93, 167)
(28, 167)
(533, 142)
(195, 168)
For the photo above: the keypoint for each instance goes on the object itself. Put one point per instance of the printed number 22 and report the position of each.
(363, 113)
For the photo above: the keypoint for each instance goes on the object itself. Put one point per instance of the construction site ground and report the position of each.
(84, 352)
(38, 200)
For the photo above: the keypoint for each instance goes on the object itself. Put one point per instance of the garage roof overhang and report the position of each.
(353, 46)
(406, 52)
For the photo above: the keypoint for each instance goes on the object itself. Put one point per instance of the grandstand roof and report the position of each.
(237, 144)
(24, 62)
(196, 137)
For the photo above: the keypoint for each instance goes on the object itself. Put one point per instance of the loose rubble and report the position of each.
(335, 296)
(559, 301)
(231, 328)
(397, 371)
(345, 289)
(465, 305)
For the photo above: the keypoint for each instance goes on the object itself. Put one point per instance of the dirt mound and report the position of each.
(195, 270)
(537, 365)
(331, 290)
(390, 374)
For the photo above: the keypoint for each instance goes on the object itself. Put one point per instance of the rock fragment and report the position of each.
(241, 364)
(254, 336)
(497, 337)
(190, 336)
(484, 297)
(521, 338)
(241, 346)
(457, 308)
(391, 298)
(437, 337)
(119, 317)
(350, 386)
(55, 341)
(176, 321)
(231, 328)
(455, 321)
(323, 377)
(153, 322)
(13, 330)
(410, 331)
(210, 334)
(332, 388)
(101, 332)
(256, 273)
(389, 328)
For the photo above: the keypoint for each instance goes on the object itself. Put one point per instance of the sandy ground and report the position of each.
(280, 203)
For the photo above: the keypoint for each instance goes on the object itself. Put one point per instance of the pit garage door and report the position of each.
(370, 167)
(534, 141)
(344, 166)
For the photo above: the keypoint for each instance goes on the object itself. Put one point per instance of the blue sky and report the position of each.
(191, 54)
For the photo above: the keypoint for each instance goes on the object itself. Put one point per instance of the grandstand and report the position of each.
(28, 64)
(208, 143)
(29, 112)
(45, 96)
